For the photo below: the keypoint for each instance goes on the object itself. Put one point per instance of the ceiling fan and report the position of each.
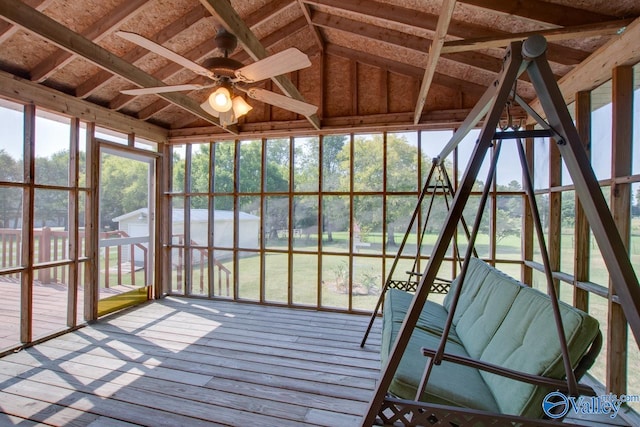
(229, 76)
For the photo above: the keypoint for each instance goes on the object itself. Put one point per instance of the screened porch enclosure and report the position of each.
(166, 256)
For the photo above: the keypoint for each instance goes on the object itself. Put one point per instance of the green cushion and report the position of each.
(527, 341)
(485, 312)
(476, 273)
(432, 318)
(449, 384)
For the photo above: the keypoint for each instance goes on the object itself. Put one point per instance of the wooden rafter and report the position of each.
(542, 11)
(316, 33)
(407, 41)
(621, 50)
(446, 13)
(103, 77)
(555, 34)
(30, 19)
(427, 21)
(95, 33)
(229, 19)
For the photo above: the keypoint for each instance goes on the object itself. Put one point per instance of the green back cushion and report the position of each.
(476, 273)
(486, 311)
(527, 341)
(432, 317)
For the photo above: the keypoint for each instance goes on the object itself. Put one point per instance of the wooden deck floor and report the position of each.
(191, 362)
(186, 362)
(49, 309)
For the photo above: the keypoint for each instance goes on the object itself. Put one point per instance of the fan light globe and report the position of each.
(220, 100)
(240, 106)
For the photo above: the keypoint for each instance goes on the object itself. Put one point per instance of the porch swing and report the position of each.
(437, 183)
(496, 347)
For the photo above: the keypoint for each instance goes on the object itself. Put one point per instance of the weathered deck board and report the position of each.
(197, 362)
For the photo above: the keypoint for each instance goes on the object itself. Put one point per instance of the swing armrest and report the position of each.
(510, 373)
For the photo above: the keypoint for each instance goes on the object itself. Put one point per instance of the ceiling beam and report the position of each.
(580, 31)
(229, 19)
(18, 89)
(103, 77)
(446, 13)
(30, 19)
(95, 33)
(542, 11)
(595, 70)
(427, 21)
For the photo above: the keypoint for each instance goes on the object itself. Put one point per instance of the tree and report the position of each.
(333, 170)
(10, 198)
(370, 152)
(123, 188)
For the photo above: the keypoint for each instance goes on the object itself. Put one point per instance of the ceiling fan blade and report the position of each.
(282, 101)
(280, 63)
(163, 51)
(163, 89)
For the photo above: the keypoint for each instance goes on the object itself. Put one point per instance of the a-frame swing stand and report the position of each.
(530, 57)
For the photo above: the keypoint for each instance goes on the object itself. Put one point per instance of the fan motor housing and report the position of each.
(222, 66)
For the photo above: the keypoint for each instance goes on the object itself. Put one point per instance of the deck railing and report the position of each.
(120, 239)
(222, 273)
(51, 245)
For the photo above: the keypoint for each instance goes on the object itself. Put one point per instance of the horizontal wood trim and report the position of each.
(23, 90)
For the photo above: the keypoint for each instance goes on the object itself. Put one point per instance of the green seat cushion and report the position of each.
(527, 341)
(486, 311)
(432, 317)
(449, 384)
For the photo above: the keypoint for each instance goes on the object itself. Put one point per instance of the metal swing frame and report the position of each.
(528, 56)
(440, 286)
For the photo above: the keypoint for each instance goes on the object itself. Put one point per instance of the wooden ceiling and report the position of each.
(384, 64)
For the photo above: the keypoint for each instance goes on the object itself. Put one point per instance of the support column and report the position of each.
(622, 129)
(26, 292)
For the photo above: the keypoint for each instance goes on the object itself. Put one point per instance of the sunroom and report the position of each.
(246, 212)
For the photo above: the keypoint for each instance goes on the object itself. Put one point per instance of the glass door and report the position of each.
(126, 229)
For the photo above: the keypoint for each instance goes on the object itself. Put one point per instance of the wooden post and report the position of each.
(92, 227)
(527, 219)
(582, 236)
(163, 223)
(74, 216)
(622, 129)
(26, 290)
(555, 211)
(188, 264)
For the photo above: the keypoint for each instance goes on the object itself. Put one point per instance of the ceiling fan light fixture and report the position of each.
(220, 99)
(240, 106)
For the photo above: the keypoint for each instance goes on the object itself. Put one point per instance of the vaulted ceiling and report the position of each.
(388, 64)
